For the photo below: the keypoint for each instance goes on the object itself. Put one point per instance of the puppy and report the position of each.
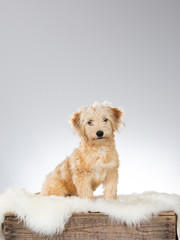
(96, 160)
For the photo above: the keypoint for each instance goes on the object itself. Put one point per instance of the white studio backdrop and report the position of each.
(56, 56)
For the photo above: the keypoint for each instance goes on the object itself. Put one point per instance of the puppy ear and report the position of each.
(117, 115)
(75, 120)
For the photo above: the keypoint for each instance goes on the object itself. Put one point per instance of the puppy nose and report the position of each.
(100, 133)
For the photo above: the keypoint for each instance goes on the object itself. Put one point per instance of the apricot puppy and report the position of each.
(96, 160)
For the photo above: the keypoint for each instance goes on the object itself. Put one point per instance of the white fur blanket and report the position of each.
(131, 209)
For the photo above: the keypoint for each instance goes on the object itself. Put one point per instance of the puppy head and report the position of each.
(97, 122)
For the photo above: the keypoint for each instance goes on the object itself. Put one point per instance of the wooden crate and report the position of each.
(91, 226)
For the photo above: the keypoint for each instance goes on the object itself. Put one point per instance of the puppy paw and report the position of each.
(87, 196)
(110, 197)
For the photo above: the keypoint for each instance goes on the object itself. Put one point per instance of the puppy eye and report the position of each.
(90, 122)
(105, 120)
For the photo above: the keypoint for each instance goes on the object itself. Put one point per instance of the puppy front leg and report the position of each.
(83, 185)
(110, 184)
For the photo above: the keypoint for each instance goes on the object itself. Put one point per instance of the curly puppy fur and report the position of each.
(96, 160)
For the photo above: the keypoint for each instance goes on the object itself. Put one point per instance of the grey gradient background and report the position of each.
(56, 56)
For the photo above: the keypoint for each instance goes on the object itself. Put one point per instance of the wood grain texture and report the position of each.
(91, 226)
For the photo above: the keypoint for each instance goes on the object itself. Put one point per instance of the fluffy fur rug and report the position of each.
(131, 209)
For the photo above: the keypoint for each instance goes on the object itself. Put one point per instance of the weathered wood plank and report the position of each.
(169, 213)
(86, 226)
